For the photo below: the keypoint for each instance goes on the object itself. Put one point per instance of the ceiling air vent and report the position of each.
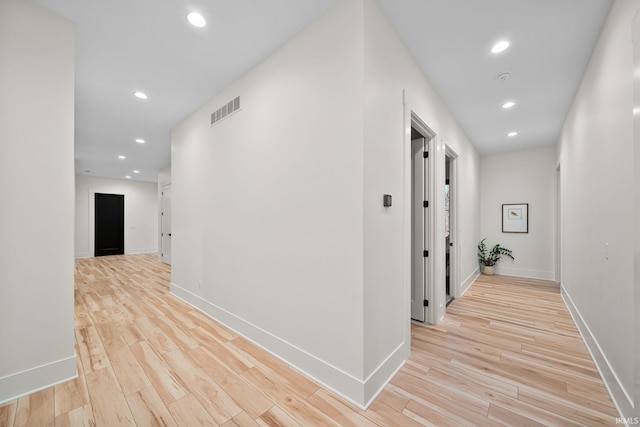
(225, 111)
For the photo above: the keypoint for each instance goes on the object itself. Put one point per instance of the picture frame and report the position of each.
(515, 218)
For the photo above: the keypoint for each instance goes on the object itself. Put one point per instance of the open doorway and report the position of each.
(421, 221)
(450, 205)
(109, 224)
(165, 224)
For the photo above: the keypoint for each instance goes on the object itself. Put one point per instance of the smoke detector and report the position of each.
(504, 76)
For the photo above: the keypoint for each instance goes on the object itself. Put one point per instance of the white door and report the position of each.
(419, 216)
(165, 233)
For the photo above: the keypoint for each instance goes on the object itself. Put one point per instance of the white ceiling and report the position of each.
(128, 45)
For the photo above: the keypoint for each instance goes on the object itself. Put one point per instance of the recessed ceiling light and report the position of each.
(128, 176)
(508, 105)
(500, 46)
(512, 134)
(140, 95)
(196, 19)
(136, 171)
(140, 141)
(122, 157)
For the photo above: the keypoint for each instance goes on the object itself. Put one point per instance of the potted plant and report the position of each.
(489, 258)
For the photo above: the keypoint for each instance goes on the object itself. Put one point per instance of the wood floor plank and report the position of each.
(160, 341)
(79, 417)
(71, 394)
(180, 337)
(341, 412)
(37, 409)
(213, 398)
(296, 406)
(131, 377)
(450, 403)
(276, 417)
(510, 418)
(163, 378)
(8, 414)
(246, 396)
(241, 420)
(148, 409)
(541, 415)
(130, 333)
(91, 351)
(386, 416)
(111, 337)
(275, 368)
(586, 412)
(393, 399)
(233, 359)
(187, 411)
(107, 401)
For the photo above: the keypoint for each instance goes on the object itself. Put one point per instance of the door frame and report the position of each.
(454, 253)
(419, 225)
(436, 259)
(162, 257)
(559, 249)
(436, 241)
(92, 221)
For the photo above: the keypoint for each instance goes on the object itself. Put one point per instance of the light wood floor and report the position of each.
(507, 353)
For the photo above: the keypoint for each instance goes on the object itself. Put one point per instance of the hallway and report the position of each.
(507, 353)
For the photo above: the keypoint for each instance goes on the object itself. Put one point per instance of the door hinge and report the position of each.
(425, 303)
(425, 154)
(425, 204)
(425, 253)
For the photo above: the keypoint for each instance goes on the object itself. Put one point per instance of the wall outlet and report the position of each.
(199, 285)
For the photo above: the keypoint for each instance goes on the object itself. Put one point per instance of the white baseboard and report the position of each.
(621, 398)
(464, 286)
(378, 380)
(83, 255)
(525, 272)
(15, 386)
(357, 391)
(141, 251)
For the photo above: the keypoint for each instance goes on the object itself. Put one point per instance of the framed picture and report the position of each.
(515, 218)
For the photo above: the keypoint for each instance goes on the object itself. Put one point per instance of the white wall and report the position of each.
(389, 70)
(140, 214)
(267, 204)
(36, 184)
(527, 176)
(596, 155)
(278, 226)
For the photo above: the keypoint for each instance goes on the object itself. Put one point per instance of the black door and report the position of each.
(109, 224)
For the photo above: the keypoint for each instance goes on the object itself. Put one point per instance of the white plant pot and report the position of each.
(488, 270)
